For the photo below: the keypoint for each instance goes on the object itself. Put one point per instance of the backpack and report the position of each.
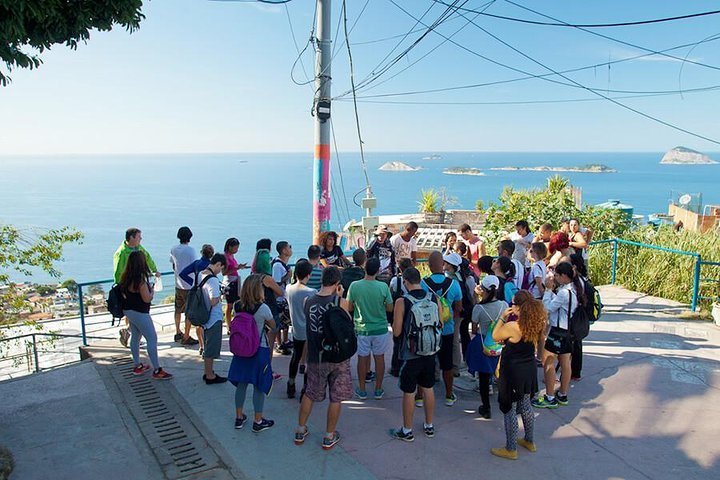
(593, 302)
(424, 334)
(195, 309)
(446, 313)
(467, 304)
(527, 282)
(510, 289)
(244, 335)
(579, 322)
(490, 347)
(114, 304)
(339, 341)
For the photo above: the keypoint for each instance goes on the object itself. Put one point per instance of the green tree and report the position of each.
(71, 285)
(45, 290)
(30, 26)
(95, 290)
(21, 251)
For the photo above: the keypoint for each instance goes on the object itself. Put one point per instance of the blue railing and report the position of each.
(699, 263)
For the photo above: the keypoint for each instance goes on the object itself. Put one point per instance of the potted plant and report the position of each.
(433, 203)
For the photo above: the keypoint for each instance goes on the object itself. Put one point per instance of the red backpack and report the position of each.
(244, 335)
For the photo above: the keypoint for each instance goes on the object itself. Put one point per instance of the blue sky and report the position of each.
(206, 76)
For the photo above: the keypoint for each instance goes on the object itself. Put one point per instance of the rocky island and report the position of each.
(685, 156)
(592, 168)
(463, 171)
(398, 167)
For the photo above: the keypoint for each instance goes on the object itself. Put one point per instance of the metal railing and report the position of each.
(699, 263)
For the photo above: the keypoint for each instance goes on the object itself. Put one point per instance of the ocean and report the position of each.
(250, 196)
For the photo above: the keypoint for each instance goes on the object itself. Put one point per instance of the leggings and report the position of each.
(576, 359)
(258, 397)
(298, 347)
(141, 325)
(484, 381)
(511, 423)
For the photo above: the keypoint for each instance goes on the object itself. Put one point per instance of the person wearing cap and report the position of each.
(484, 315)
(381, 248)
(461, 337)
(442, 283)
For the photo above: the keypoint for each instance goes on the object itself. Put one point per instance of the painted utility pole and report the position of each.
(321, 111)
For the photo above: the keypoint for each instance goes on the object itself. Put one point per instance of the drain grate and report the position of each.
(179, 447)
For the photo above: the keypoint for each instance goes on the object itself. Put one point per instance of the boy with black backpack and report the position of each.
(417, 324)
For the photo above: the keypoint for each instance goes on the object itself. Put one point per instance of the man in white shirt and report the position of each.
(212, 330)
(181, 256)
(506, 248)
(404, 244)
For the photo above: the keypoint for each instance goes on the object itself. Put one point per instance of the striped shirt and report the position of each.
(315, 280)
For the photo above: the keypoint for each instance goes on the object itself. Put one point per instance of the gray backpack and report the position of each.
(425, 328)
(195, 309)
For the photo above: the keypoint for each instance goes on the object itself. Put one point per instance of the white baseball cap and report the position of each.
(453, 259)
(490, 281)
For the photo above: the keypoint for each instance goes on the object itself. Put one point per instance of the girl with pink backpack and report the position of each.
(251, 354)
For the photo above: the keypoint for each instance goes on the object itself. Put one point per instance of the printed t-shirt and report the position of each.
(315, 306)
(181, 256)
(369, 298)
(402, 248)
(332, 257)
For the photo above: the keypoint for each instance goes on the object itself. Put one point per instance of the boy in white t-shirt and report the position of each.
(538, 270)
(404, 244)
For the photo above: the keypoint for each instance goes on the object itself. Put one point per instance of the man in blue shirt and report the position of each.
(449, 289)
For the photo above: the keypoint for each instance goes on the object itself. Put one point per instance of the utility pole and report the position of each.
(321, 111)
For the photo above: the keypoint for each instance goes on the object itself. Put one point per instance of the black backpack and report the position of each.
(114, 304)
(579, 322)
(593, 304)
(339, 339)
(195, 309)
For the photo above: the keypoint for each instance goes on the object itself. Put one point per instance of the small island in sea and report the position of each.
(463, 171)
(685, 156)
(398, 167)
(592, 168)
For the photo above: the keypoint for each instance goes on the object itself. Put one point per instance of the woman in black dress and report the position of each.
(518, 374)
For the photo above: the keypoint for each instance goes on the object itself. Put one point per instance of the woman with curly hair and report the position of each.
(518, 375)
(330, 251)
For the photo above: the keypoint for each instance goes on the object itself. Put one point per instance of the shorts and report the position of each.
(212, 340)
(180, 299)
(445, 355)
(417, 372)
(558, 341)
(373, 344)
(334, 377)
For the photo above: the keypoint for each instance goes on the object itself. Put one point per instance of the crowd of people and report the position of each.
(499, 317)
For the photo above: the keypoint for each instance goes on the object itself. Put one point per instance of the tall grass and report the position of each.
(658, 273)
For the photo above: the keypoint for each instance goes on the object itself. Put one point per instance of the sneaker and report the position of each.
(161, 374)
(330, 442)
(450, 401)
(491, 390)
(360, 394)
(379, 393)
(124, 336)
(276, 376)
(369, 377)
(290, 390)
(189, 341)
(543, 402)
(140, 369)
(217, 379)
(178, 337)
(429, 431)
(400, 435)
(419, 402)
(263, 424)
(575, 379)
(528, 445)
(301, 436)
(302, 369)
(287, 345)
(561, 399)
(504, 453)
(240, 422)
(484, 412)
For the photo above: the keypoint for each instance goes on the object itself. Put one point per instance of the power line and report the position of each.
(588, 25)
(308, 80)
(595, 92)
(607, 37)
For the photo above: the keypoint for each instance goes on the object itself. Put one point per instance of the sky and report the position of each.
(215, 76)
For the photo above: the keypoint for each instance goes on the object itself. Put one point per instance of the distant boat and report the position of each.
(434, 156)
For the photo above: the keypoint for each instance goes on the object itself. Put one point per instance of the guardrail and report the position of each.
(699, 263)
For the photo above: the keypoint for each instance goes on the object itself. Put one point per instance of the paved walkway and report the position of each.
(647, 407)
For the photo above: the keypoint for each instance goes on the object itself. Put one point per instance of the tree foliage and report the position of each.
(29, 27)
(548, 205)
(23, 251)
